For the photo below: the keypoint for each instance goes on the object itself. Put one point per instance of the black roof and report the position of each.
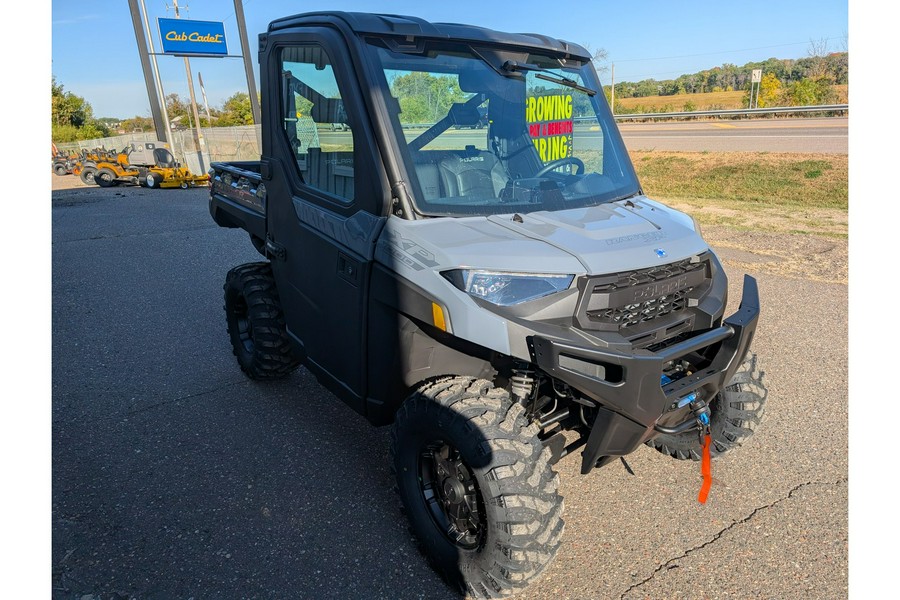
(400, 25)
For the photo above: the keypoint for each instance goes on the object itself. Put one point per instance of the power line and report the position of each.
(719, 52)
(243, 3)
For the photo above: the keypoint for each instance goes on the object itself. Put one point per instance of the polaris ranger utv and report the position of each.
(501, 297)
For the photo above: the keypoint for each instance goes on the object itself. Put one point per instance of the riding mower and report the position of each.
(63, 163)
(148, 164)
(167, 173)
(86, 166)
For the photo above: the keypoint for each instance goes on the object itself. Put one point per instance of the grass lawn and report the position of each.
(791, 193)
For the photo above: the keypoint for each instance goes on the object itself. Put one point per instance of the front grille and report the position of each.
(629, 301)
(633, 314)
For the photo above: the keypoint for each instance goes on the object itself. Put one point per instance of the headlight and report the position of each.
(506, 289)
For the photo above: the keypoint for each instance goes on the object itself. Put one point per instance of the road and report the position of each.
(175, 476)
(826, 135)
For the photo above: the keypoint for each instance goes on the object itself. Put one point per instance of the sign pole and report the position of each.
(162, 95)
(152, 94)
(755, 77)
(248, 63)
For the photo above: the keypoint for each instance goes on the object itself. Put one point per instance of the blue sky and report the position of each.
(658, 39)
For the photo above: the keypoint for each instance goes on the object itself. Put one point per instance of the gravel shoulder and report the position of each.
(804, 244)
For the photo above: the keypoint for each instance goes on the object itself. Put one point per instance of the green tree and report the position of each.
(137, 123)
(237, 111)
(809, 92)
(425, 98)
(72, 117)
(179, 110)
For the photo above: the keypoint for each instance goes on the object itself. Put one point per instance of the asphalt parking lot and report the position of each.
(176, 477)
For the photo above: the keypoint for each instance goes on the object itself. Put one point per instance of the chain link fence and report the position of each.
(219, 144)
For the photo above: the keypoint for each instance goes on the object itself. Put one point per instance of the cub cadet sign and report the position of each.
(549, 121)
(192, 38)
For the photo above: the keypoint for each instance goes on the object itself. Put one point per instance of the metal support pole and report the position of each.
(198, 136)
(205, 100)
(159, 86)
(248, 65)
(152, 93)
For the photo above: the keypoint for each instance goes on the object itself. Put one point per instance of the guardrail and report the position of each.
(728, 112)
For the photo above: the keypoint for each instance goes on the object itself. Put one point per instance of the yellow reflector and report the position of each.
(438, 314)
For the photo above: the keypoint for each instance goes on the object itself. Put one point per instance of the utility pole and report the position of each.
(248, 64)
(159, 87)
(612, 92)
(198, 136)
(152, 93)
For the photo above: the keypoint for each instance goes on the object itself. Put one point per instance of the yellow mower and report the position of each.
(148, 164)
(166, 173)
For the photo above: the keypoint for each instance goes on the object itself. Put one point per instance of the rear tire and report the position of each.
(60, 170)
(477, 486)
(87, 175)
(256, 324)
(735, 413)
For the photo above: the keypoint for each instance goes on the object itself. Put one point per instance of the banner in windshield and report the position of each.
(549, 121)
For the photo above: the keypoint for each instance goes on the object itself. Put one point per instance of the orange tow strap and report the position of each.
(706, 470)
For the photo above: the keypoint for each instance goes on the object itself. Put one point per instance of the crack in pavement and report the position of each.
(665, 565)
(135, 411)
(116, 236)
(179, 399)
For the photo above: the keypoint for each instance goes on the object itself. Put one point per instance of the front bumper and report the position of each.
(627, 386)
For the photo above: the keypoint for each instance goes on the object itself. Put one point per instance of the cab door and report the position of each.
(325, 203)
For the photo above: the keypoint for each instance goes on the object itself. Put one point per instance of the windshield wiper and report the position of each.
(513, 66)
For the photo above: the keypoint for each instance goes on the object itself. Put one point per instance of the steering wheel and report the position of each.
(569, 160)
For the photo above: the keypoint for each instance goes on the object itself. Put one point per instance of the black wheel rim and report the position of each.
(242, 322)
(451, 495)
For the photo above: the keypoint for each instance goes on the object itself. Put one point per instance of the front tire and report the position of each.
(153, 180)
(60, 170)
(256, 324)
(477, 486)
(735, 413)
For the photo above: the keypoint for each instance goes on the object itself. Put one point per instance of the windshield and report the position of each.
(490, 131)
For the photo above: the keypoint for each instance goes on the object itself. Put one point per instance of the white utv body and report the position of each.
(501, 296)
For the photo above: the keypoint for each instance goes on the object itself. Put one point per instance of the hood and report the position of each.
(632, 234)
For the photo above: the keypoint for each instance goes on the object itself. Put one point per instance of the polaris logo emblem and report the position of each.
(660, 253)
(660, 289)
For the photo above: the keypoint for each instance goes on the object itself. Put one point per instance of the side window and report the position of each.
(315, 121)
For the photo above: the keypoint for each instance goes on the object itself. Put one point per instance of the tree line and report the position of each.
(72, 116)
(795, 81)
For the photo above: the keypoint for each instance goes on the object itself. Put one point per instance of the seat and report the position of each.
(164, 158)
(429, 180)
(475, 174)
